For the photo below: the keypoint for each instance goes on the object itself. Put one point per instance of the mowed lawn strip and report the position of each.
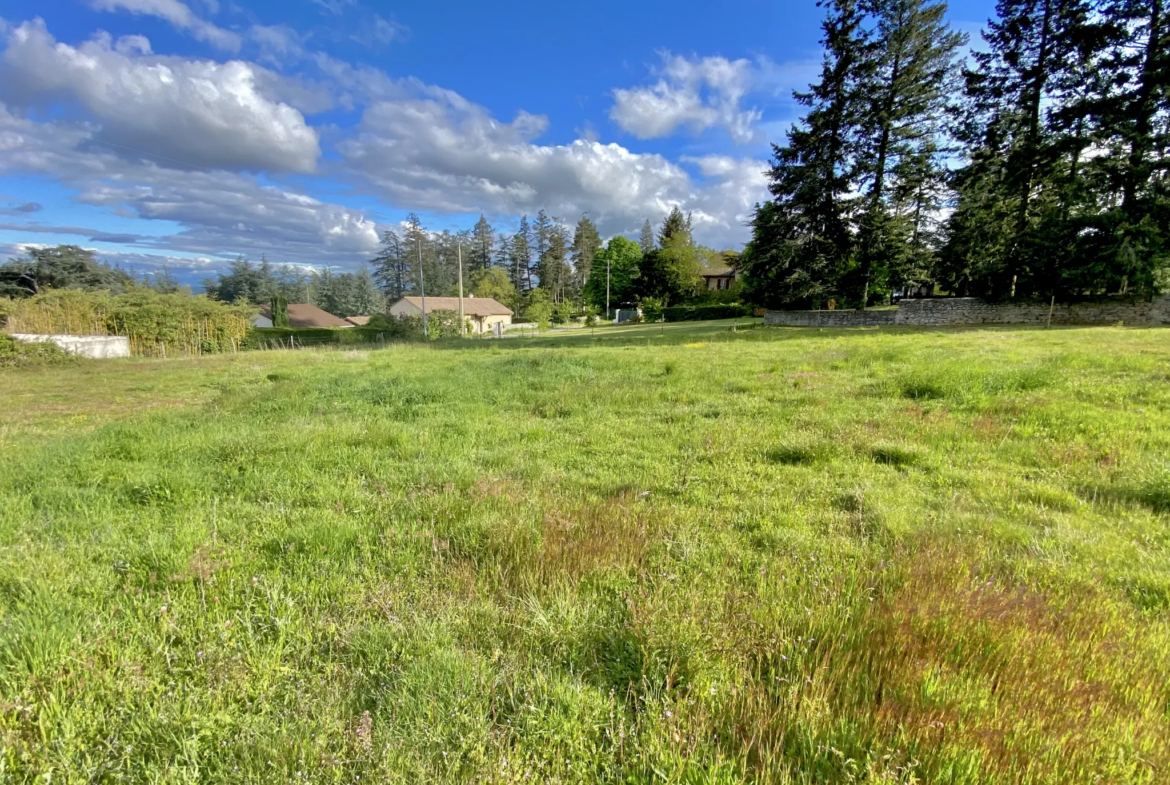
(769, 555)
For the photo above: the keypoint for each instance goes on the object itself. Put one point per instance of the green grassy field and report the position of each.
(697, 556)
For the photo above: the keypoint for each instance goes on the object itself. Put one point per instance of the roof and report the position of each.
(472, 306)
(358, 321)
(718, 272)
(306, 315)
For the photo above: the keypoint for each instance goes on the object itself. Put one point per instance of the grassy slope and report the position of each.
(777, 555)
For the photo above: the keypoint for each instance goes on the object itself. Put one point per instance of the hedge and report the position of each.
(292, 337)
(156, 324)
(698, 313)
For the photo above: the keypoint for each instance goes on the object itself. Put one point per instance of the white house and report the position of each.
(483, 313)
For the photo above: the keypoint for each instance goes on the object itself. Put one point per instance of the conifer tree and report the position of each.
(391, 267)
(801, 243)
(521, 259)
(481, 246)
(1012, 181)
(675, 225)
(646, 241)
(586, 243)
(903, 82)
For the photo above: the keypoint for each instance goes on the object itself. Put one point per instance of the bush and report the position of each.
(652, 308)
(293, 337)
(17, 354)
(690, 313)
(562, 312)
(156, 324)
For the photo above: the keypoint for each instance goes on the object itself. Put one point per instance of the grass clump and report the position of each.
(18, 354)
(539, 560)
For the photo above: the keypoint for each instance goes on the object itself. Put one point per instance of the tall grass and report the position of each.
(156, 324)
(527, 562)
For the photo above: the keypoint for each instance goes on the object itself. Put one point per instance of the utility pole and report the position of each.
(422, 285)
(607, 287)
(462, 323)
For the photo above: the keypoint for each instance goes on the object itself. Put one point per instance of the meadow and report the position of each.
(665, 554)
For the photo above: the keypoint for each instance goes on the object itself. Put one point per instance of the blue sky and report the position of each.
(186, 132)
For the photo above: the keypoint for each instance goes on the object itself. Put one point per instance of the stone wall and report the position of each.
(941, 312)
(830, 318)
(98, 347)
(969, 310)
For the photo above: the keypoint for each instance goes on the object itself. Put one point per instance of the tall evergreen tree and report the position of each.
(481, 247)
(586, 243)
(1135, 118)
(903, 81)
(646, 241)
(801, 243)
(675, 225)
(553, 268)
(1012, 179)
(520, 270)
(391, 266)
(542, 229)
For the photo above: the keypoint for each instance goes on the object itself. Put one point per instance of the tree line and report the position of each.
(545, 264)
(1037, 168)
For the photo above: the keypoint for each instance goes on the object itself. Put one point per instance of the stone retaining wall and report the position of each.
(830, 318)
(98, 347)
(941, 312)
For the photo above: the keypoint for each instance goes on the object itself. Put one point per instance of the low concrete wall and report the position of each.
(98, 347)
(942, 312)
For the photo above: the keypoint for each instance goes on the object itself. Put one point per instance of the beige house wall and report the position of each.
(476, 325)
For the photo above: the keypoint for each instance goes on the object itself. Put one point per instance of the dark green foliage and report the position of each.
(586, 244)
(801, 244)
(698, 313)
(17, 354)
(616, 265)
(670, 273)
(293, 337)
(257, 283)
(60, 267)
(646, 239)
(482, 246)
(279, 308)
(392, 267)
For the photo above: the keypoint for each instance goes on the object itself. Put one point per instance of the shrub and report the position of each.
(17, 354)
(652, 308)
(696, 313)
(293, 337)
(156, 324)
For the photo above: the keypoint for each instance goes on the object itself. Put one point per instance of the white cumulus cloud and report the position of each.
(432, 149)
(196, 113)
(698, 93)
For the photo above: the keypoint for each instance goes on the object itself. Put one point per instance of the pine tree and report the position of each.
(504, 253)
(646, 241)
(1012, 182)
(481, 246)
(391, 266)
(552, 268)
(801, 244)
(674, 225)
(521, 259)
(904, 81)
(541, 237)
(416, 246)
(586, 243)
(1135, 119)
